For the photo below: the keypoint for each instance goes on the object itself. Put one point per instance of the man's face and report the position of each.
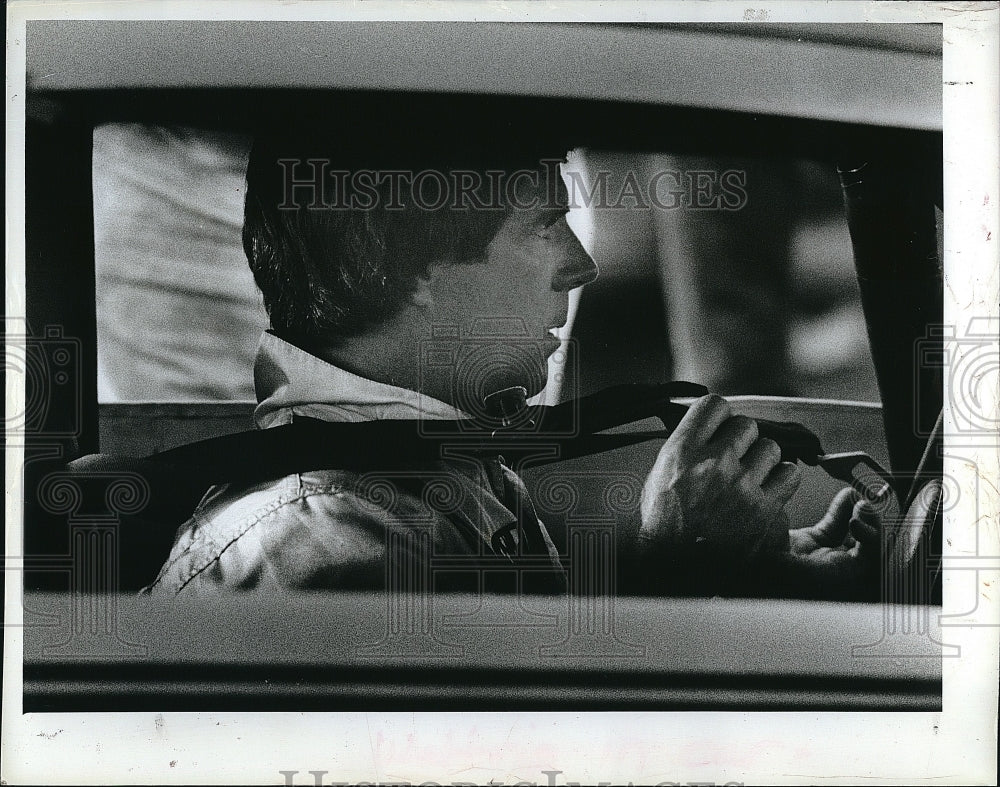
(508, 307)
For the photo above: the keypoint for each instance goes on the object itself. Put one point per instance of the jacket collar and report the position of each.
(290, 382)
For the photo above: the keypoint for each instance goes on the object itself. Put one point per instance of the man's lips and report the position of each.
(551, 340)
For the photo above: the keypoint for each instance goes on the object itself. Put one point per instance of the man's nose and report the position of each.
(580, 269)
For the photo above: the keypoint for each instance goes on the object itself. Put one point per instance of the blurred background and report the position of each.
(758, 300)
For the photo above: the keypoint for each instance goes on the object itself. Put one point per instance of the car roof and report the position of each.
(877, 75)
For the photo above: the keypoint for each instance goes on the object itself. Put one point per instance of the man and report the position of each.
(408, 276)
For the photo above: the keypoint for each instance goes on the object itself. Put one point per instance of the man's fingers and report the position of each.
(737, 434)
(783, 482)
(864, 511)
(832, 528)
(840, 508)
(702, 420)
(865, 526)
(864, 533)
(760, 460)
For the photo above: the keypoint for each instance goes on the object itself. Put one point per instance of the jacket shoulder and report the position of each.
(320, 530)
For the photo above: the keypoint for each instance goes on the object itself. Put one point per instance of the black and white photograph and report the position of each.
(505, 393)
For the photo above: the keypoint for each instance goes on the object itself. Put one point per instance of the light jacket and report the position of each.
(445, 526)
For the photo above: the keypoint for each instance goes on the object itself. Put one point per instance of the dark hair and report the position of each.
(328, 271)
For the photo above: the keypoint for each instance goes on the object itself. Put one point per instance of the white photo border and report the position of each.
(955, 746)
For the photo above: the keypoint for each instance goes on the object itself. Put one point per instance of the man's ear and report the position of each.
(421, 296)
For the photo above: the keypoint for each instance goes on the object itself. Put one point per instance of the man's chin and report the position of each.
(532, 384)
(497, 367)
(534, 390)
(532, 381)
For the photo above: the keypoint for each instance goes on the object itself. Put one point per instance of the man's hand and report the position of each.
(716, 479)
(843, 548)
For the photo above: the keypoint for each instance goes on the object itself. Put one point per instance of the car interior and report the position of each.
(142, 321)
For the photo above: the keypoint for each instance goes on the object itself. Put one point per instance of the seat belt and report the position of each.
(178, 478)
(547, 434)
